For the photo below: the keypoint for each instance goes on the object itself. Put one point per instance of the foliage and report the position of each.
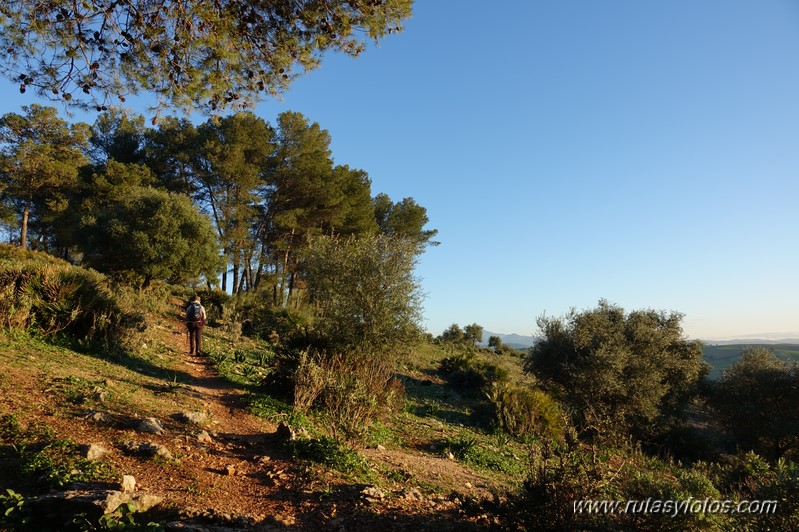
(190, 53)
(39, 159)
(16, 511)
(563, 477)
(150, 234)
(477, 378)
(622, 371)
(35, 455)
(329, 452)
(358, 389)
(473, 333)
(453, 334)
(364, 292)
(524, 413)
(757, 398)
(39, 292)
(405, 219)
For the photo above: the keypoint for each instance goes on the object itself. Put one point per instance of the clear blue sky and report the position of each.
(642, 152)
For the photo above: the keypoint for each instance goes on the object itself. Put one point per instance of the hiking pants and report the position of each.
(195, 337)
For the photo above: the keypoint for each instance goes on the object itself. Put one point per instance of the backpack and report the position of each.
(193, 314)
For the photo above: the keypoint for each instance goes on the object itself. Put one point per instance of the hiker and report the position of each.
(195, 321)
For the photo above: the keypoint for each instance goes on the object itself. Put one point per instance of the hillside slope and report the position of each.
(218, 464)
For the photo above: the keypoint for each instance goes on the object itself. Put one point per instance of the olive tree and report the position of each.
(364, 291)
(618, 371)
(757, 399)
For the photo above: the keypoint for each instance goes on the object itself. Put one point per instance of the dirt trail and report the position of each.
(240, 474)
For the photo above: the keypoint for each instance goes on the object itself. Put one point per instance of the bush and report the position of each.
(352, 390)
(564, 477)
(471, 376)
(758, 398)
(50, 296)
(750, 477)
(523, 413)
(625, 373)
(359, 389)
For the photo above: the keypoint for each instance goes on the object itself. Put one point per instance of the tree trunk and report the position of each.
(236, 260)
(23, 239)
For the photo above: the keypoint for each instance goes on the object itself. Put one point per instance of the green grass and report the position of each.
(36, 457)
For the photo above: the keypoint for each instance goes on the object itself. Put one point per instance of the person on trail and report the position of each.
(195, 321)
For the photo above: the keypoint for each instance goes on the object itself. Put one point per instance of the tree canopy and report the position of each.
(267, 190)
(190, 53)
(150, 234)
(620, 371)
(40, 155)
(364, 289)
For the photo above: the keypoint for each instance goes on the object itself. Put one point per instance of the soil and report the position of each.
(233, 472)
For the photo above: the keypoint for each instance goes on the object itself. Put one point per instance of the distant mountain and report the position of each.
(516, 341)
(752, 341)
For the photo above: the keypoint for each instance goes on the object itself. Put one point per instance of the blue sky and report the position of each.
(642, 152)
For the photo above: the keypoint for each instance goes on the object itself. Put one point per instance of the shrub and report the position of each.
(471, 376)
(357, 392)
(758, 398)
(352, 390)
(624, 372)
(750, 477)
(50, 296)
(524, 412)
(564, 477)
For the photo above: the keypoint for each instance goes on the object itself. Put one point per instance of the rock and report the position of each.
(285, 432)
(193, 418)
(155, 449)
(380, 448)
(147, 449)
(373, 494)
(450, 456)
(468, 485)
(92, 504)
(230, 470)
(141, 501)
(204, 437)
(412, 494)
(150, 425)
(93, 451)
(128, 483)
(97, 417)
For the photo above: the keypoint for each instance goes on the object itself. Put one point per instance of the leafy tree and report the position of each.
(355, 213)
(758, 398)
(232, 159)
(40, 155)
(364, 292)
(453, 334)
(190, 53)
(171, 150)
(495, 342)
(404, 219)
(115, 135)
(150, 234)
(473, 333)
(619, 371)
(301, 196)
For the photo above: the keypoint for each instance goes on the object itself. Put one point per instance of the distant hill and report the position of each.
(516, 341)
(722, 355)
(753, 341)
